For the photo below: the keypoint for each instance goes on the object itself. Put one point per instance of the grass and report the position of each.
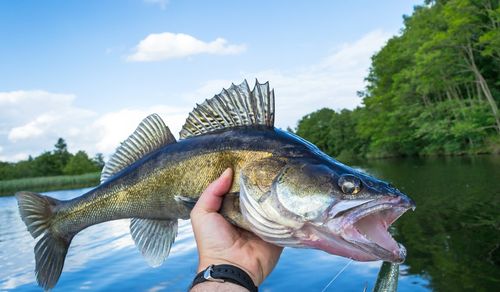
(48, 183)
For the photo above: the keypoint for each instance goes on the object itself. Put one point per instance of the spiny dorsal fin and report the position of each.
(150, 135)
(233, 107)
(153, 238)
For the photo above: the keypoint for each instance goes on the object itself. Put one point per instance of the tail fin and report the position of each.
(37, 212)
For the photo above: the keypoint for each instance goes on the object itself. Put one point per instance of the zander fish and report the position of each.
(285, 189)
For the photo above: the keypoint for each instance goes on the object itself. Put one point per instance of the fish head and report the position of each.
(327, 206)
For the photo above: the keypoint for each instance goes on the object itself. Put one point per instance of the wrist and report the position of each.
(206, 262)
(223, 273)
(220, 287)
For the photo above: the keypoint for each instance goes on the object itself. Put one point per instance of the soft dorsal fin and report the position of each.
(150, 135)
(233, 107)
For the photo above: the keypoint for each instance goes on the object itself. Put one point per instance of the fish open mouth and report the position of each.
(366, 227)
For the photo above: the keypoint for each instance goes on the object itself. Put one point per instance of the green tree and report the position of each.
(99, 160)
(80, 163)
(6, 170)
(315, 127)
(61, 154)
(433, 89)
(46, 164)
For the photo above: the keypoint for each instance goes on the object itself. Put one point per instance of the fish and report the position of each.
(285, 190)
(387, 279)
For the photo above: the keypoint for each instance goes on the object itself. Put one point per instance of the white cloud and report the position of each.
(161, 3)
(32, 121)
(114, 127)
(333, 82)
(33, 128)
(167, 45)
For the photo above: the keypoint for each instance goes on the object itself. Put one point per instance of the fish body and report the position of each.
(285, 189)
(387, 279)
(162, 184)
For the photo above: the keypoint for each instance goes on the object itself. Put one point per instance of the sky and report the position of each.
(90, 71)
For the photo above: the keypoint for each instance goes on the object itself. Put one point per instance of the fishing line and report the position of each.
(338, 274)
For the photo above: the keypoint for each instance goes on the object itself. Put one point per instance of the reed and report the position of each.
(48, 183)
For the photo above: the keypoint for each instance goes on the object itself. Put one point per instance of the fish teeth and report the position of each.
(402, 251)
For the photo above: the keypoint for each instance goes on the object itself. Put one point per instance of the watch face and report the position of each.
(207, 274)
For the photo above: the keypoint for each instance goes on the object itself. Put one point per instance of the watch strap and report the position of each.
(223, 273)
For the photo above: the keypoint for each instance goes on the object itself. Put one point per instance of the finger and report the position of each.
(211, 199)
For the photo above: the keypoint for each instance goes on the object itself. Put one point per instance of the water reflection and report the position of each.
(106, 246)
(453, 237)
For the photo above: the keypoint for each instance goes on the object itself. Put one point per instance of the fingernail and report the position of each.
(226, 172)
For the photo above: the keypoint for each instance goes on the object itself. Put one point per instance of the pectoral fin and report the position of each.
(187, 202)
(153, 238)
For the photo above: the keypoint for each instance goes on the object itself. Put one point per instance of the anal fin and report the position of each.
(153, 238)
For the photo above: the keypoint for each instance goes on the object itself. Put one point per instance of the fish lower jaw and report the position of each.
(333, 243)
(389, 250)
(370, 233)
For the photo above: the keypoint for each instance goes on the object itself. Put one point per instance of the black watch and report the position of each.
(225, 273)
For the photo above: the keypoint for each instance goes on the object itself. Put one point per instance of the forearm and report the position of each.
(219, 287)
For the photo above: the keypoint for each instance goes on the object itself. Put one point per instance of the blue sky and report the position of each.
(89, 71)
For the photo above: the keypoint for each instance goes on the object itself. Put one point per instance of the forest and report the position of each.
(52, 163)
(433, 89)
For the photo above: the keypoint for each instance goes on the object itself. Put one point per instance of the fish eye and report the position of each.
(349, 184)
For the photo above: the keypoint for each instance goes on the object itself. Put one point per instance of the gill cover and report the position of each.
(257, 205)
(278, 197)
(305, 189)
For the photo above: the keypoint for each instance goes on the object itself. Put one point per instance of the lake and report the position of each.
(453, 241)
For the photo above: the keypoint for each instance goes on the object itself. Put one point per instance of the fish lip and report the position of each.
(385, 211)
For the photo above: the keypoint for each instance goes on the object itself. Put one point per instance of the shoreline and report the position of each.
(48, 183)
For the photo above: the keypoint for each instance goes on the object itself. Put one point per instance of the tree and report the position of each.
(315, 127)
(47, 164)
(61, 154)
(61, 146)
(433, 89)
(466, 22)
(79, 164)
(99, 160)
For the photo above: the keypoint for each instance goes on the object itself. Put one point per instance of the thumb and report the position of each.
(211, 199)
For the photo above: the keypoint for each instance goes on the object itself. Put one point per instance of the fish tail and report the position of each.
(37, 212)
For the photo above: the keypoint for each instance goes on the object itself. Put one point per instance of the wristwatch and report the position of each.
(225, 273)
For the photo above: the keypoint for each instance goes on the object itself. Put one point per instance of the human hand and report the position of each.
(220, 242)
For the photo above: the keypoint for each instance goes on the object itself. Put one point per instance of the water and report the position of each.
(452, 239)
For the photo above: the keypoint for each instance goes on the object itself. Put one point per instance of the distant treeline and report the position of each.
(434, 89)
(52, 163)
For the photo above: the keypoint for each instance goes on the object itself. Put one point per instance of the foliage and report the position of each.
(52, 163)
(79, 164)
(332, 132)
(434, 89)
